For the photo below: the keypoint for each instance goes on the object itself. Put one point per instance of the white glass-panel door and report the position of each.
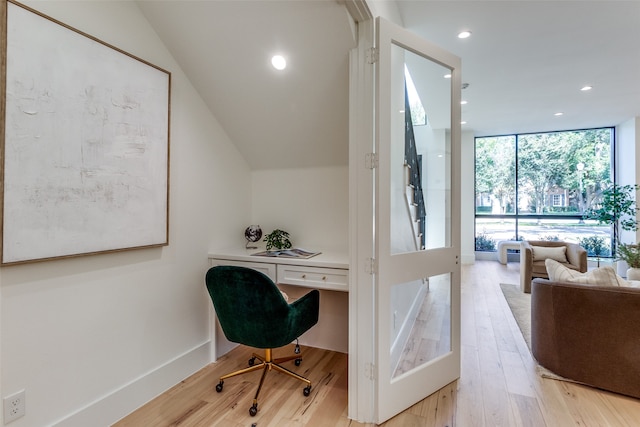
(417, 219)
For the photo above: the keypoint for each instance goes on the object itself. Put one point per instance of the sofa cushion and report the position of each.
(558, 253)
(603, 276)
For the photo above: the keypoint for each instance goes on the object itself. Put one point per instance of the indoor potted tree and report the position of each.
(594, 246)
(617, 207)
(630, 253)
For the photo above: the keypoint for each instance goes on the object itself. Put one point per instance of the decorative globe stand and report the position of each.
(252, 233)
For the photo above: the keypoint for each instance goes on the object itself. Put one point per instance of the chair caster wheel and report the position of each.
(252, 361)
(219, 386)
(253, 410)
(298, 361)
(307, 390)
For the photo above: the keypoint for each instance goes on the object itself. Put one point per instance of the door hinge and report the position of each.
(370, 371)
(372, 55)
(371, 160)
(371, 266)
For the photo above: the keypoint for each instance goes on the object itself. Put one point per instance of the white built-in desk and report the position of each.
(324, 271)
(328, 272)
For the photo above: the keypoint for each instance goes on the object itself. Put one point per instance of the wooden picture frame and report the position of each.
(84, 143)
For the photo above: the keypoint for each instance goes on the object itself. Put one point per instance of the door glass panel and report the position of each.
(421, 322)
(420, 153)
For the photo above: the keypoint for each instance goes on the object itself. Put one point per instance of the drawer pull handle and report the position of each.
(304, 276)
(324, 277)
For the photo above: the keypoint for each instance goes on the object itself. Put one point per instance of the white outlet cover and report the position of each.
(14, 406)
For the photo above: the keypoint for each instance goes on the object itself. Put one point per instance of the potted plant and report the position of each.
(630, 253)
(277, 239)
(617, 207)
(594, 246)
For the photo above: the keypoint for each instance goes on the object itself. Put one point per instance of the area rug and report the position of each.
(520, 305)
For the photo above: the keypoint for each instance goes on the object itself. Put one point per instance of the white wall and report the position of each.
(467, 195)
(311, 204)
(627, 158)
(91, 338)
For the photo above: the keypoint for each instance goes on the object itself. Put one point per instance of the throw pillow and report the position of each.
(603, 276)
(558, 253)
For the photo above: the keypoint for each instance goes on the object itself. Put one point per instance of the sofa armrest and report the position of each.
(577, 256)
(526, 265)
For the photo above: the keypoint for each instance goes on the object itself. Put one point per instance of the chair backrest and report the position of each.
(249, 306)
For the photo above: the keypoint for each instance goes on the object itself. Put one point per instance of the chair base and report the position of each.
(267, 363)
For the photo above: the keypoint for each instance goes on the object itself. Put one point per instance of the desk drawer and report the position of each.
(267, 269)
(314, 277)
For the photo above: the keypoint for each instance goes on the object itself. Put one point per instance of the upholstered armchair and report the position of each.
(534, 252)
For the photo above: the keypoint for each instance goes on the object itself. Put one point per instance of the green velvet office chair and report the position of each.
(252, 311)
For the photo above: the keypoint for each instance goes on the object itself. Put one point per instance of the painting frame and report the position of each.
(84, 143)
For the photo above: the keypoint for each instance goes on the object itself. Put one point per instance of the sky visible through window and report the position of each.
(418, 115)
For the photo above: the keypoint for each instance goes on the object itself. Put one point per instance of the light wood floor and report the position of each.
(498, 384)
(430, 336)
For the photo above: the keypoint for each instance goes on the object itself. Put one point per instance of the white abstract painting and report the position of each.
(86, 144)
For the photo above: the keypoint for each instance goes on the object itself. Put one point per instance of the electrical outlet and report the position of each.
(14, 406)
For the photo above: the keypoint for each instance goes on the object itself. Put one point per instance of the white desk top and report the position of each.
(328, 259)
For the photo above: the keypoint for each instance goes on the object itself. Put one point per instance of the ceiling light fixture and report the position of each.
(464, 34)
(463, 102)
(447, 76)
(586, 88)
(278, 62)
(560, 113)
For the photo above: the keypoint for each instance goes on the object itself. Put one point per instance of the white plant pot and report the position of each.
(621, 267)
(633, 274)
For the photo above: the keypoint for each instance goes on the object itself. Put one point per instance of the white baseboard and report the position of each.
(116, 405)
(468, 258)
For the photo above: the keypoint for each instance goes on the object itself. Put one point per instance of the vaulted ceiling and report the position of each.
(291, 119)
(525, 61)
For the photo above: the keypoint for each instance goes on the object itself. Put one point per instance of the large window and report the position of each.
(538, 186)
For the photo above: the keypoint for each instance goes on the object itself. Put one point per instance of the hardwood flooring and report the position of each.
(430, 336)
(498, 386)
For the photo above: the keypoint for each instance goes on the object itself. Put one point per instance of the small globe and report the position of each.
(253, 233)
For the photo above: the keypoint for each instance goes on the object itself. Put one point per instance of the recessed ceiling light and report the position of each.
(464, 34)
(463, 122)
(463, 102)
(586, 88)
(559, 113)
(278, 62)
(447, 76)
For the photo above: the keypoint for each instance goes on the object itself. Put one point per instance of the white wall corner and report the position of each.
(467, 198)
(627, 161)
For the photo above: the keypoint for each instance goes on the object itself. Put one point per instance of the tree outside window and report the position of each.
(544, 181)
